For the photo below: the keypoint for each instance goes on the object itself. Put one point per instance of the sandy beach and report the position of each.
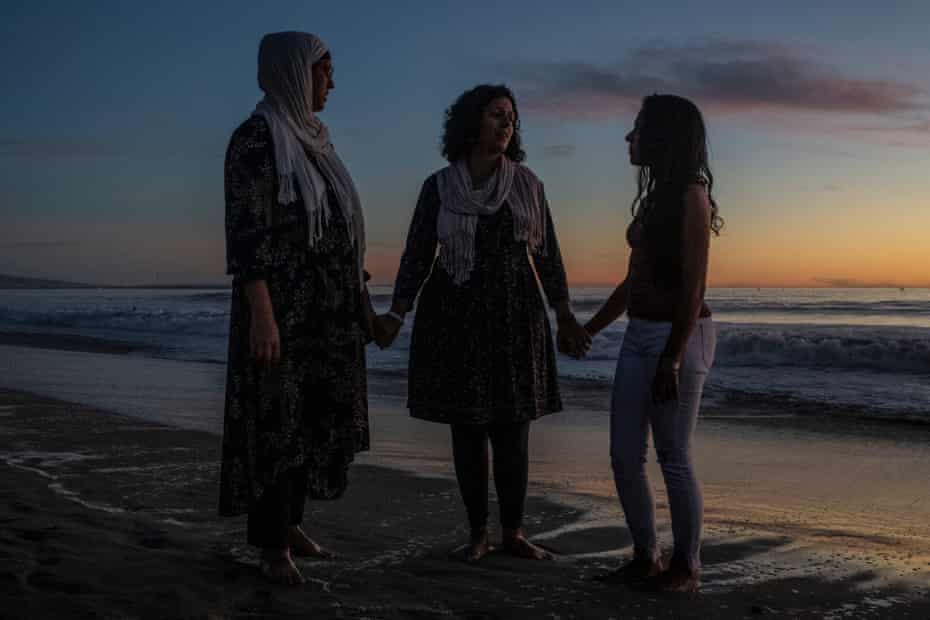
(106, 516)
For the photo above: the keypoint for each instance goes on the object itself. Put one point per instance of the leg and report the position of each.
(629, 434)
(297, 479)
(470, 454)
(269, 517)
(510, 445)
(267, 527)
(673, 426)
(301, 545)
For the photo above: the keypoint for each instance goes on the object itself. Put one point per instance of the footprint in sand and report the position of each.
(40, 535)
(18, 506)
(43, 580)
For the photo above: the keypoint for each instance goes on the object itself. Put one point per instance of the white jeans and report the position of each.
(632, 413)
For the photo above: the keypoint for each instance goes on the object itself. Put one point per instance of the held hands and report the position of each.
(572, 339)
(386, 329)
(264, 340)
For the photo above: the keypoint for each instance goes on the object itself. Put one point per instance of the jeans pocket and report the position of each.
(708, 343)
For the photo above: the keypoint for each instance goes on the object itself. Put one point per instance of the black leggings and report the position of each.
(509, 443)
(280, 507)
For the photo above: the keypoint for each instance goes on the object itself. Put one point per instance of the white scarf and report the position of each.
(461, 205)
(284, 74)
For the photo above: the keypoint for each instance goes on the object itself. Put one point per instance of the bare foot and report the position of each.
(278, 567)
(515, 543)
(636, 570)
(478, 547)
(675, 579)
(302, 546)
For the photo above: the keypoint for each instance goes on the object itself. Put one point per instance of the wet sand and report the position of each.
(68, 342)
(105, 516)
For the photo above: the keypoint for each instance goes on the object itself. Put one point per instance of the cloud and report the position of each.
(558, 151)
(898, 133)
(722, 75)
(140, 148)
(853, 283)
(29, 245)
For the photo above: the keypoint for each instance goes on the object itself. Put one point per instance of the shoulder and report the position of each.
(252, 134)
(432, 181)
(697, 202)
(430, 188)
(524, 173)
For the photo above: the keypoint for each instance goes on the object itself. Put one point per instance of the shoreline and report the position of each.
(589, 394)
(112, 516)
(70, 342)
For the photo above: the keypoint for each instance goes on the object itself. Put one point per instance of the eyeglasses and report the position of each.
(509, 117)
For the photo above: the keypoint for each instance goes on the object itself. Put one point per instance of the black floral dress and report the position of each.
(481, 352)
(312, 408)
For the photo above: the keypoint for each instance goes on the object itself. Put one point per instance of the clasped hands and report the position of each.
(572, 338)
(385, 328)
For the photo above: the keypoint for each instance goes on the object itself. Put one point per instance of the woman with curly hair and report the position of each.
(481, 354)
(669, 344)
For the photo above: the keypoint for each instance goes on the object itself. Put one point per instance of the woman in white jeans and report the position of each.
(669, 343)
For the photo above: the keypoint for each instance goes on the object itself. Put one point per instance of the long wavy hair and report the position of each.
(673, 155)
(463, 123)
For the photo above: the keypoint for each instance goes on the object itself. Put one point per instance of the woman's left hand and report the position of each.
(572, 338)
(665, 384)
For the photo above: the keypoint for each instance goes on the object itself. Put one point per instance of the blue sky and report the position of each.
(116, 116)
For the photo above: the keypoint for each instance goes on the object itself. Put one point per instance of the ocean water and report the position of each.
(866, 350)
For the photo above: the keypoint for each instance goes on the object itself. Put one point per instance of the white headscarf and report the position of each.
(461, 204)
(284, 74)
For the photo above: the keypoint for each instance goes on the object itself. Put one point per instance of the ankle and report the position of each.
(276, 553)
(479, 535)
(512, 533)
(647, 556)
(678, 566)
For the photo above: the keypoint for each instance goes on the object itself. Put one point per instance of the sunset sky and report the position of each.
(115, 117)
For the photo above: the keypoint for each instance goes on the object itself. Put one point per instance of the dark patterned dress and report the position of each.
(481, 352)
(313, 407)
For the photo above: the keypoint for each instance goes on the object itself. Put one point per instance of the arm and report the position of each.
(249, 192)
(420, 250)
(612, 309)
(550, 268)
(264, 340)
(572, 337)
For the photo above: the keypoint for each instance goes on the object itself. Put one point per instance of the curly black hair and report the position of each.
(463, 122)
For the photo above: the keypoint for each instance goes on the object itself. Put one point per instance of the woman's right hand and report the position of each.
(386, 330)
(264, 340)
(572, 338)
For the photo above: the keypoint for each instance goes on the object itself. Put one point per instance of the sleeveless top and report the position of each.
(649, 297)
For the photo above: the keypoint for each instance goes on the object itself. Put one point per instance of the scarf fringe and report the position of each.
(296, 173)
(460, 207)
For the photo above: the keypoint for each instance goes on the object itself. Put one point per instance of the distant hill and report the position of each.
(10, 282)
(174, 286)
(18, 282)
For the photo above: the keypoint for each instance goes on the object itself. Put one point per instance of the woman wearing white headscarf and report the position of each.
(481, 355)
(296, 398)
